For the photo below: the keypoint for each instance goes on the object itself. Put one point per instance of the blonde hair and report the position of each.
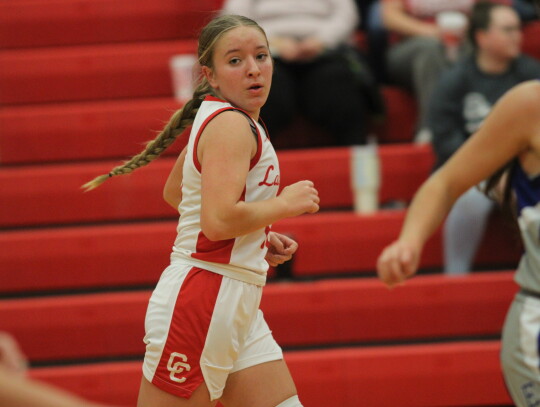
(183, 117)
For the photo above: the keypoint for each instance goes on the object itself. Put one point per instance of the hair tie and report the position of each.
(110, 174)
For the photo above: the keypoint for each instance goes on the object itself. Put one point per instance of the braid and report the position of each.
(179, 121)
(184, 117)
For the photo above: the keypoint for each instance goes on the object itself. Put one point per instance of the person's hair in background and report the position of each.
(480, 19)
(182, 118)
(527, 9)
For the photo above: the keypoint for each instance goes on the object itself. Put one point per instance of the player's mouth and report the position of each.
(255, 88)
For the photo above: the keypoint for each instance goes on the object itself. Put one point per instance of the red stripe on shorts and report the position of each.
(179, 371)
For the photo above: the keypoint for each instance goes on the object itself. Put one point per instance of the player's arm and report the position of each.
(225, 149)
(396, 19)
(172, 191)
(508, 131)
(17, 391)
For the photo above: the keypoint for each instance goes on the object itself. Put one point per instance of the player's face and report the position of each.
(242, 71)
(503, 38)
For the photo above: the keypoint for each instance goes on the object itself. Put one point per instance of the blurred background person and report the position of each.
(16, 390)
(416, 54)
(318, 73)
(461, 101)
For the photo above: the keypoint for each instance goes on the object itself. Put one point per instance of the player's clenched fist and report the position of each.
(300, 197)
(397, 262)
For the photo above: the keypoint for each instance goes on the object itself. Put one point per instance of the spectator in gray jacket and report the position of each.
(461, 101)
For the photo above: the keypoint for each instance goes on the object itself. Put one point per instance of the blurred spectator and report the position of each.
(376, 37)
(18, 391)
(416, 54)
(318, 72)
(461, 101)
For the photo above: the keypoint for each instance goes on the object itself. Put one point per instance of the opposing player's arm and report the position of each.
(505, 134)
(509, 131)
(225, 150)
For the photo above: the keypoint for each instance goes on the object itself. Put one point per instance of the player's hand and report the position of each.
(310, 48)
(397, 262)
(301, 197)
(281, 249)
(285, 48)
(11, 357)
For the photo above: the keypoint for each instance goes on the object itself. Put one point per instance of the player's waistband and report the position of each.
(228, 270)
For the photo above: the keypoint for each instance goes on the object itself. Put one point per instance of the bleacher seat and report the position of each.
(431, 375)
(47, 23)
(531, 39)
(51, 194)
(325, 312)
(97, 72)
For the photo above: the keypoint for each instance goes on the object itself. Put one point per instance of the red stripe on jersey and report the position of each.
(258, 153)
(179, 371)
(217, 251)
(197, 138)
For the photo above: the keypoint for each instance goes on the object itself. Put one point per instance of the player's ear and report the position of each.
(209, 75)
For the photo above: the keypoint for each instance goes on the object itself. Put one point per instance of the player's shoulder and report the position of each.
(231, 118)
(228, 125)
(525, 94)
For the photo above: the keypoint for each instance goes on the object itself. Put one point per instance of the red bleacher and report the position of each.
(436, 375)
(38, 194)
(330, 311)
(111, 71)
(83, 84)
(31, 24)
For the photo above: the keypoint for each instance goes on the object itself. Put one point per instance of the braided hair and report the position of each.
(183, 117)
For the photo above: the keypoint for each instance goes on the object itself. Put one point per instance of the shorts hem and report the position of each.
(256, 360)
(171, 388)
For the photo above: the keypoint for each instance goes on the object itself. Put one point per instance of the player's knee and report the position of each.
(293, 401)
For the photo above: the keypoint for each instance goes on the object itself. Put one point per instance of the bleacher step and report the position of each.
(46, 23)
(84, 73)
(134, 255)
(45, 195)
(432, 375)
(300, 314)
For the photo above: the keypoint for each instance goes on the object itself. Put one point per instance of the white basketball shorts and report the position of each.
(202, 326)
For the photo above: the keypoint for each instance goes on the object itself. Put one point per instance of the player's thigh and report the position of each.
(263, 385)
(520, 357)
(152, 396)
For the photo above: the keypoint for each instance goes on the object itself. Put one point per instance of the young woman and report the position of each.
(507, 145)
(206, 339)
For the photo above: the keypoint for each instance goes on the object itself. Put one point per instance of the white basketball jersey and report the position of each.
(241, 258)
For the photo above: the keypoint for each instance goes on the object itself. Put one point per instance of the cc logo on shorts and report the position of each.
(175, 366)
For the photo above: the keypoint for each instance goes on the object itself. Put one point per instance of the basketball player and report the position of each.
(206, 339)
(507, 149)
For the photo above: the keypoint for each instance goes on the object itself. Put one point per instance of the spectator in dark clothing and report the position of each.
(318, 73)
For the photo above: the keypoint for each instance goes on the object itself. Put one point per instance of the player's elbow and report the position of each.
(173, 196)
(213, 228)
